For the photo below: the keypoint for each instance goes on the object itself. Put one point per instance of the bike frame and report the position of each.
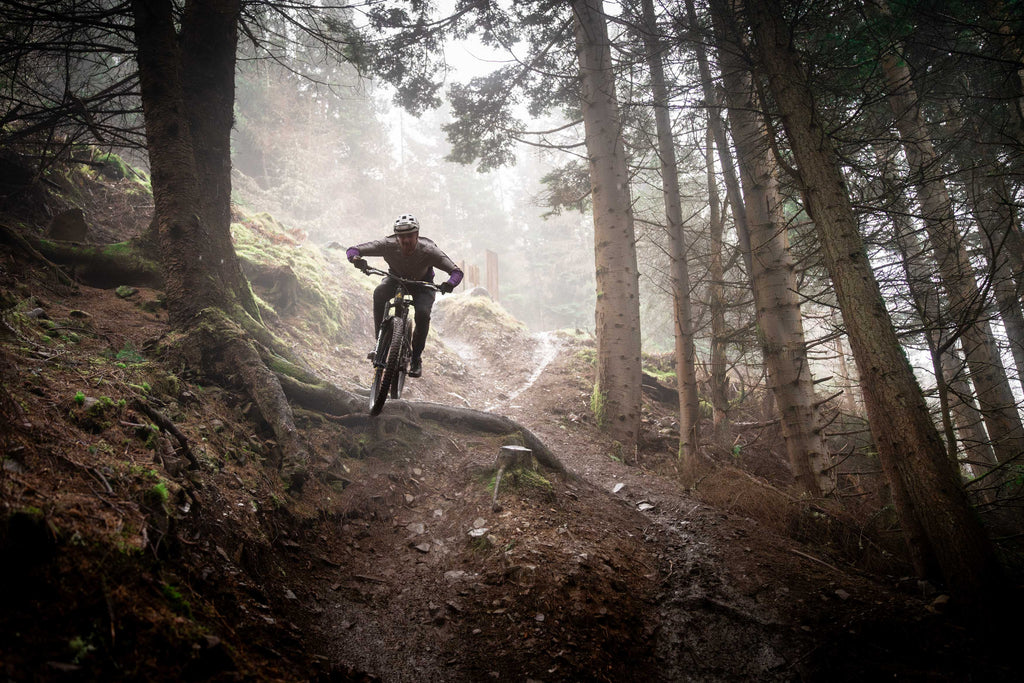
(390, 371)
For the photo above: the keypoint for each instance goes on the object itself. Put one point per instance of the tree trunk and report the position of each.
(773, 278)
(1006, 44)
(955, 393)
(686, 370)
(617, 393)
(716, 291)
(937, 518)
(198, 300)
(993, 211)
(183, 237)
(714, 108)
(209, 40)
(849, 383)
(991, 385)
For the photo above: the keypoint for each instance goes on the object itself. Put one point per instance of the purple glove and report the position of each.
(454, 278)
(352, 253)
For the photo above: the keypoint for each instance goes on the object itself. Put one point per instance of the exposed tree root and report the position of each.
(488, 423)
(98, 265)
(280, 280)
(222, 349)
(15, 239)
(164, 423)
(227, 351)
(321, 397)
(103, 265)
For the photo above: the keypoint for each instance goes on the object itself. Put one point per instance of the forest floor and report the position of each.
(121, 563)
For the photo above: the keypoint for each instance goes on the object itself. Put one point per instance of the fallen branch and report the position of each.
(815, 559)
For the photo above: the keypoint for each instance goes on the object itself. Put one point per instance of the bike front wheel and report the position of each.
(383, 376)
(398, 381)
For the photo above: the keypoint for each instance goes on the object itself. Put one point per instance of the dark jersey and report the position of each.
(419, 265)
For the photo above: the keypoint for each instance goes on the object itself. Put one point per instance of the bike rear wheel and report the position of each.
(384, 376)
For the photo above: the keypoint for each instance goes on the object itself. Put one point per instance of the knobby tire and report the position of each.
(398, 382)
(385, 375)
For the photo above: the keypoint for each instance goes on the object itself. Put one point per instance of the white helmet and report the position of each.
(406, 223)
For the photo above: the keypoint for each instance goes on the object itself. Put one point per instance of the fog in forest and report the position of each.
(340, 162)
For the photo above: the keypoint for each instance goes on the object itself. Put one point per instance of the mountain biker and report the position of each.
(411, 257)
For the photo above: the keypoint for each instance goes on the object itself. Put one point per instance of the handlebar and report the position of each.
(370, 270)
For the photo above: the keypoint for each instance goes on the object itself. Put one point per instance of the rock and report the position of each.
(37, 314)
(842, 595)
(436, 613)
(423, 547)
(79, 314)
(68, 226)
(124, 291)
(644, 506)
(478, 532)
(13, 466)
(618, 487)
(289, 595)
(939, 604)
(417, 528)
(479, 522)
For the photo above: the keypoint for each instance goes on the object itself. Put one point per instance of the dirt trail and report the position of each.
(698, 594)
(620, 575)
(547, 348)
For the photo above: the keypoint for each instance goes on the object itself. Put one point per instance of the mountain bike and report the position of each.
(394, 342)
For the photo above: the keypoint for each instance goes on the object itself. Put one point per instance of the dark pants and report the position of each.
(422, 301)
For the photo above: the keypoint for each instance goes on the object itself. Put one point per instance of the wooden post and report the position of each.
(492, 274)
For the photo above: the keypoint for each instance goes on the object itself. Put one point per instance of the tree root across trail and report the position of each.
(224, 351)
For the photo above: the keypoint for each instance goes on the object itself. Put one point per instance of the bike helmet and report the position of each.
(406, 223)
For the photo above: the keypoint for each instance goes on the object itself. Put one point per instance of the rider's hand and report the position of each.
(446, 287)
(359, 263)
